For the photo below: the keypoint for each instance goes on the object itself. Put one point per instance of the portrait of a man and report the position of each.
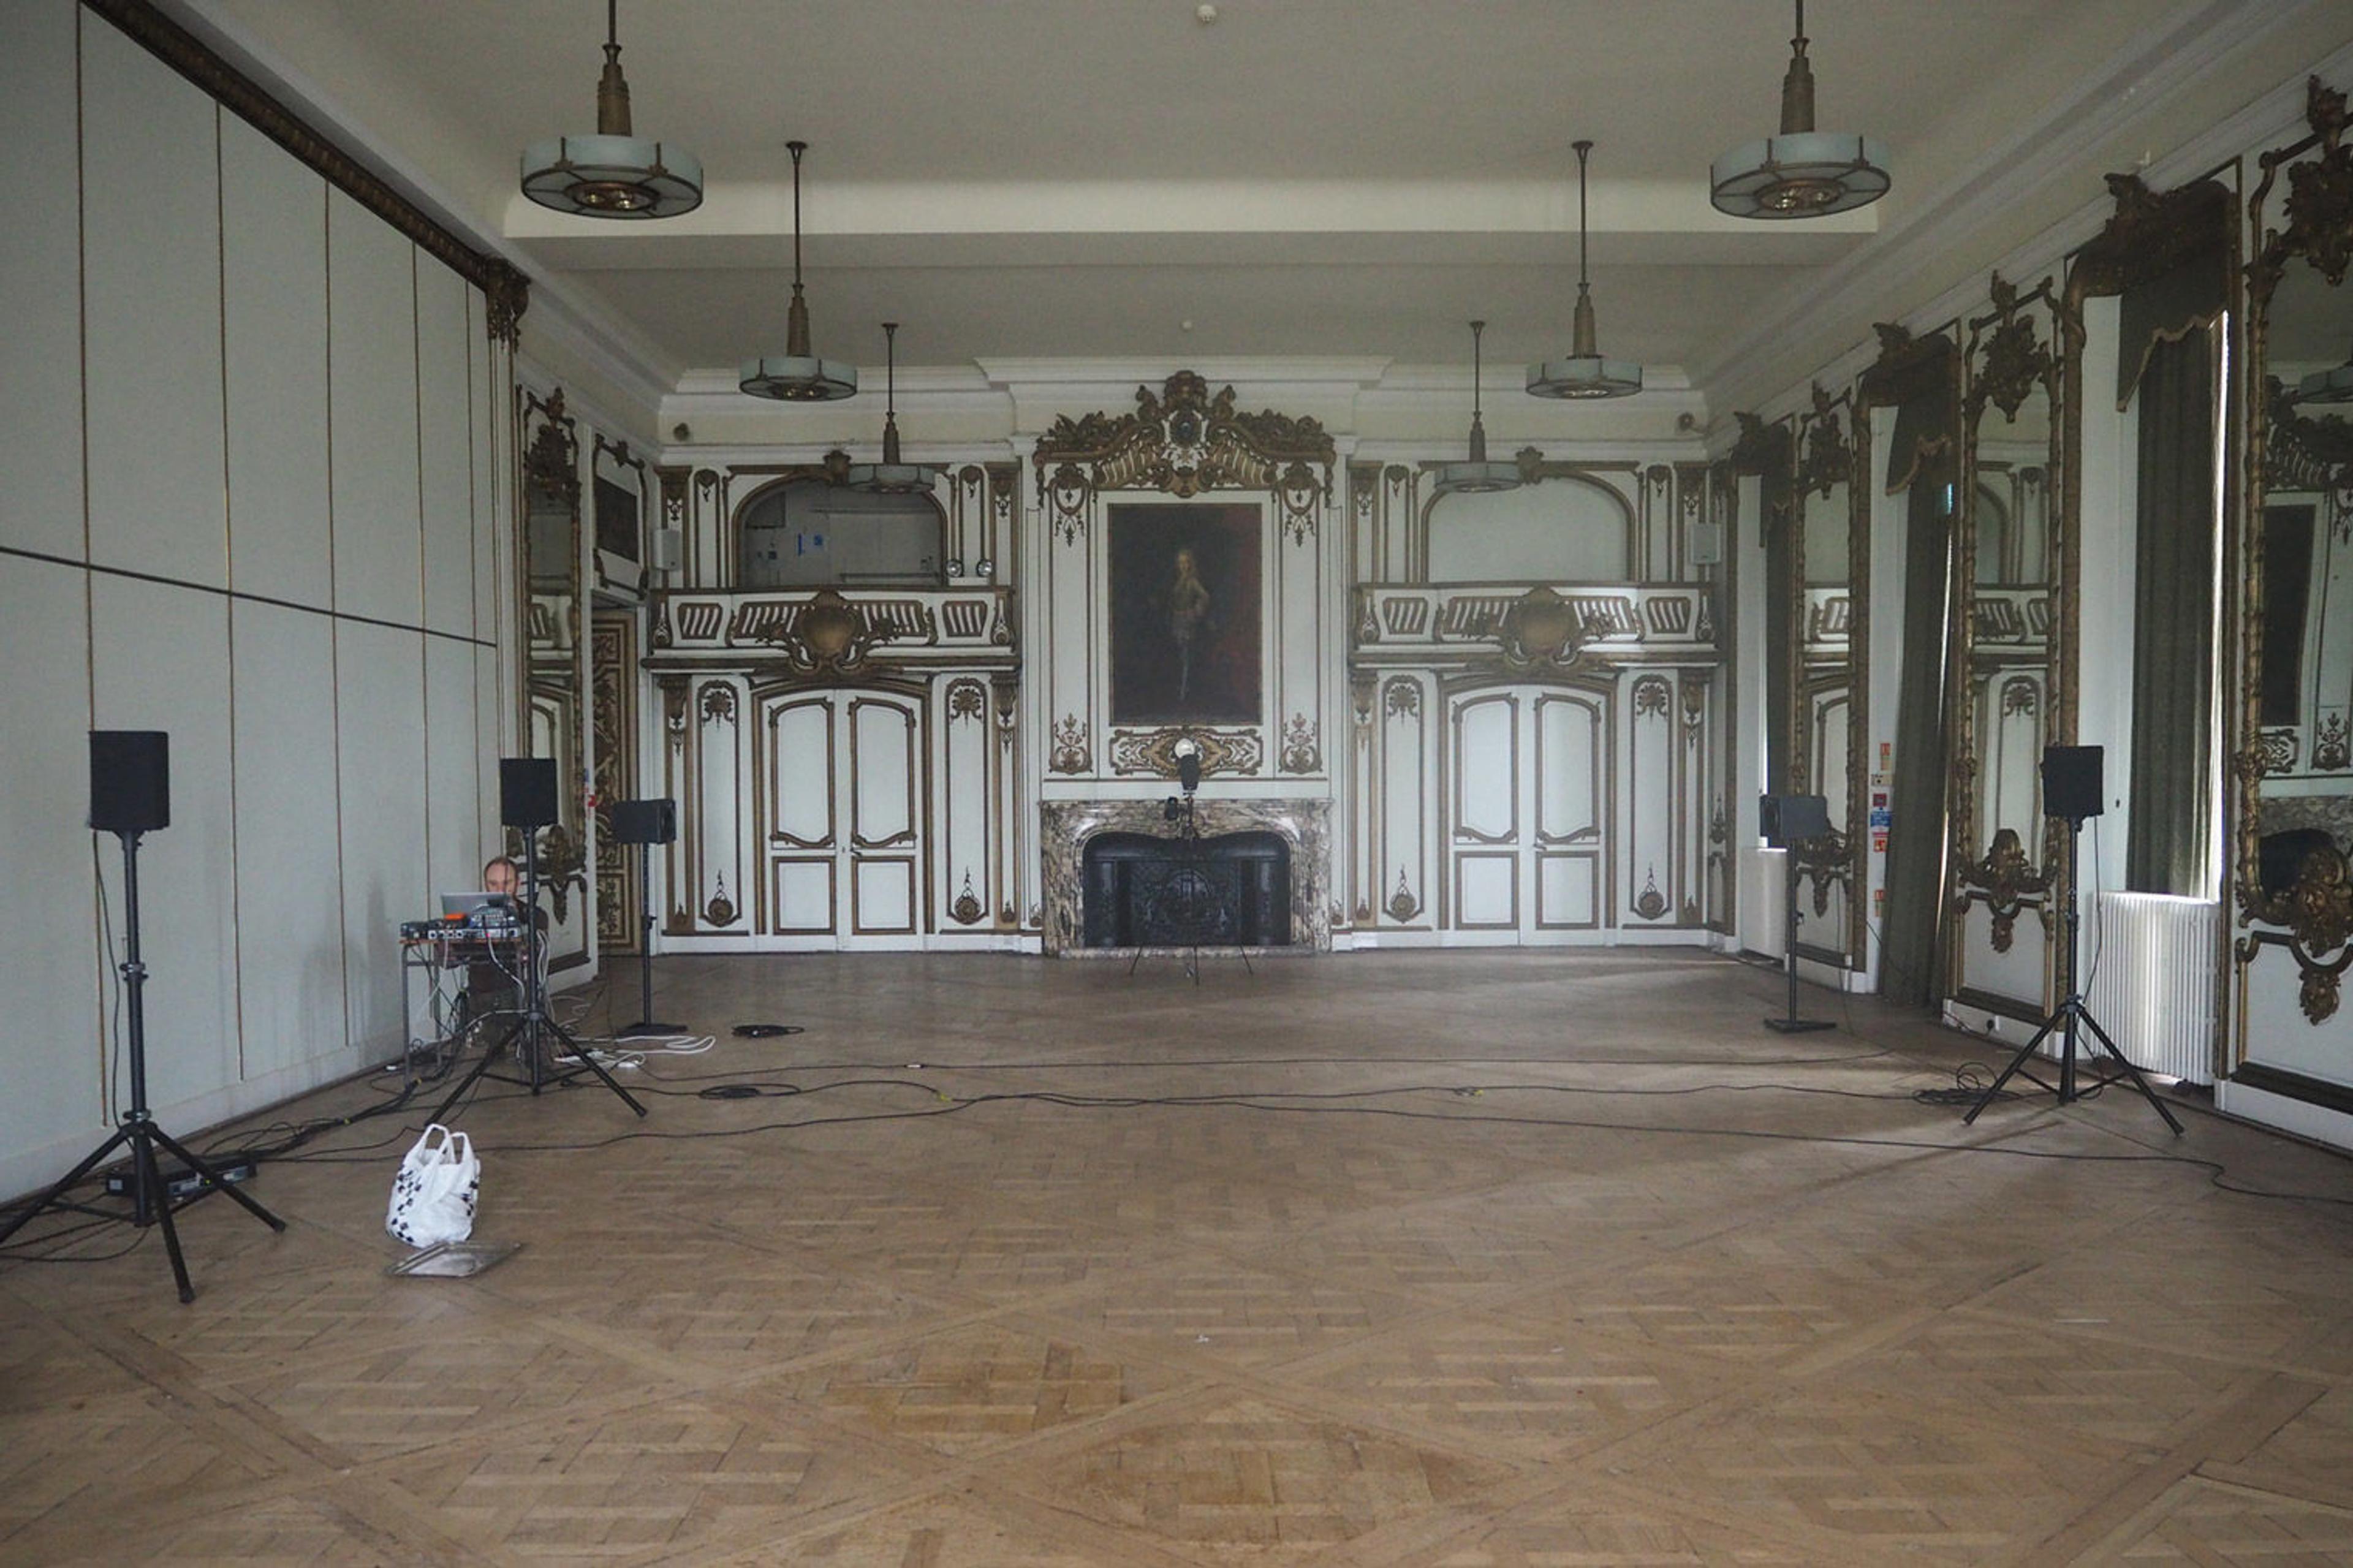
(1185, 614)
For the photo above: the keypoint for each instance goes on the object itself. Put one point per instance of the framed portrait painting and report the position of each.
(1186, 614)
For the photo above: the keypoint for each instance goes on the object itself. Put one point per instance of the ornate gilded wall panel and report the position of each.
(613, 692)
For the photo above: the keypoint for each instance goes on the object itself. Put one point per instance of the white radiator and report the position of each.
(2153, 985)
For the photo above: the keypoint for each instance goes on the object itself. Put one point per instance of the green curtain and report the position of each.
(1910, 957)
(2173, 619)
(1778, 504)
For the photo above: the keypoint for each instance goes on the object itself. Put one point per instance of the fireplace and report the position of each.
(1302, 827)
(1141, 891)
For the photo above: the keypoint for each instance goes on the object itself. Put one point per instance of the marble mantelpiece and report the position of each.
(1305, 824)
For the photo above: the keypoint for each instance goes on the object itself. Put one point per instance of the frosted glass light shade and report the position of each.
(1803, 173)
(1584, 376)
(799, 378)
(612, 177)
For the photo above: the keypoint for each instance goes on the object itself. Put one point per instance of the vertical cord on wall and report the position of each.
(112, 1074)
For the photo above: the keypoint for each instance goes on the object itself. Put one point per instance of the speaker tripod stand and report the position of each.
(532, 1026)
(151, 1199)
(2068, 1021)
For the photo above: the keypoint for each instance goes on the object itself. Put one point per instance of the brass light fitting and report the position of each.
(892, 476)
(1584, 373)
(796, 376)
(1802, 171)
(613, 174)
(1475, 475)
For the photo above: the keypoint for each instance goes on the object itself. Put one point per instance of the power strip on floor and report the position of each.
(183, 1183)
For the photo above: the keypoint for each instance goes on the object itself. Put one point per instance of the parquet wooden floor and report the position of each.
(1474, 1260)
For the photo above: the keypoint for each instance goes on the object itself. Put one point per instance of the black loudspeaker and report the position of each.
(526, 792)
(1786, 819)
(2073, 782)
(645, 821)
(1188, 772)
(129, 780)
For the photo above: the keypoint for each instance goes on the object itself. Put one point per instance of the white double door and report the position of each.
(841, 776)
(1528, 772)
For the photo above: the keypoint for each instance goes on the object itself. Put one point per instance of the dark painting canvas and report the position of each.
(1185, 615)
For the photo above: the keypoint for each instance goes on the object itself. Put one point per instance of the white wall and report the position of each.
(242, 422)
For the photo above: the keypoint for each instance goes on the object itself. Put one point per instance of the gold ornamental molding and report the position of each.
(1154, 750)
(2014, 361)
(2149, 235)
(2317, 911)
(1828, 460)
(1183, 441)
(506, 293)
(828, 635)
(2006, 879)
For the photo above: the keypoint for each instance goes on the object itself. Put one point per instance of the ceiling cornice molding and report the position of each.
(2136, 85)
(1254, 376)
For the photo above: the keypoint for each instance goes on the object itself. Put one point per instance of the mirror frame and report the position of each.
(2316, 914)
(2005, 360)
(1825, 442)
(548, 447)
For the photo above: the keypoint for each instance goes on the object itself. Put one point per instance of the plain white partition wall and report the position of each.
(159, 660)
(50, 1054)
(453, 771)
(274, 287)
(372, 385)
(380, 758)
(445, 448)
(262, 456)
(40, 353)
(152, 314)
(290, 900)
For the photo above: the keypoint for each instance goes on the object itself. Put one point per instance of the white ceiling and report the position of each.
(1022, 179)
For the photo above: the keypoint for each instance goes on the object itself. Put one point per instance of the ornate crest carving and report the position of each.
(1152, 750)
(2150, 233)
(1541, 633)
(1762, 449)
(1184, 441)
(2319, 205)
(827, 636)
(966, 910)
(2332, 750)
(1650, 903)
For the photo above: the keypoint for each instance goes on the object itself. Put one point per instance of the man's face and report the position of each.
(499, 878)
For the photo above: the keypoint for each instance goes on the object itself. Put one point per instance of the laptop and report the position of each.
(478, 909)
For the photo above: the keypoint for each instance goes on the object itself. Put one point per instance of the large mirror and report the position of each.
(1831, 623)
(1906, 420)
(2295, 833)
(2004, 853)
(553, 716)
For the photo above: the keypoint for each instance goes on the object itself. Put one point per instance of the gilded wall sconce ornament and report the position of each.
(2317, 911)
(966, 910)
(2332, 750)
(2008, 878)
(1650, 903)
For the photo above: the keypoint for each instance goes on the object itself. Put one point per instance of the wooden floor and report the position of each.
(1508, 1258)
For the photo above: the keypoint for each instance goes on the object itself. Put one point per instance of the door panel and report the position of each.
(1527, 774)
(842, 782)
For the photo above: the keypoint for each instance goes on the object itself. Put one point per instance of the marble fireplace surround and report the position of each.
(1305, 824)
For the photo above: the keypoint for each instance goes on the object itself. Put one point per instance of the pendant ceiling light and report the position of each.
(612, 174)
(891, 477)
(1476, 474)
(2326, 386)
(1801, 173)
(1584, 373)
(798, 375)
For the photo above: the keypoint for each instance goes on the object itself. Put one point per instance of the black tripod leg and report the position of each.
(212, 1179)
(480, 1071)
(152, 1190)
(2139, 1082)
(48, 1200)
(2010, 1071)
(593, 1065)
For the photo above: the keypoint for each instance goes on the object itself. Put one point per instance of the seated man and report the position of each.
(493, 974)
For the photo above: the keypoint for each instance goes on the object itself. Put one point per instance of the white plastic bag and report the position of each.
(433, 1196)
